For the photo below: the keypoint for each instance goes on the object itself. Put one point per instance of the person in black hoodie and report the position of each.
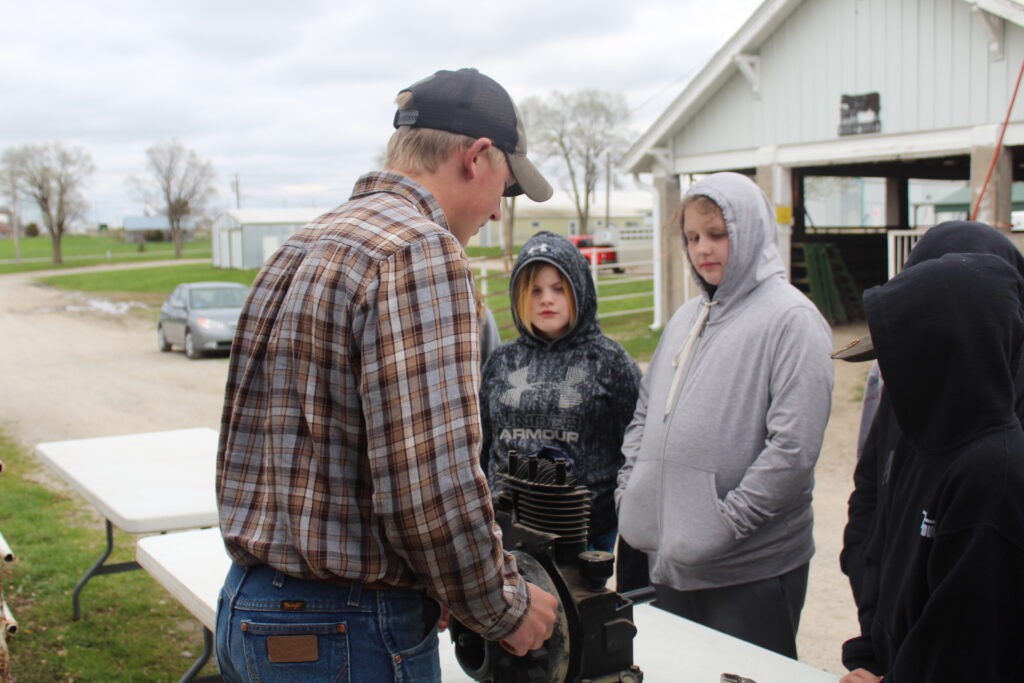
(562, 383)
(885, 444)
(946, 553)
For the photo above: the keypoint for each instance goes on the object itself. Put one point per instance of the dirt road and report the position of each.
(69, 374)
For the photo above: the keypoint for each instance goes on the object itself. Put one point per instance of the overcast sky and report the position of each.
(297, 97)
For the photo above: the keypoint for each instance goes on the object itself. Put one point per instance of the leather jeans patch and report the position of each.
(292, 649)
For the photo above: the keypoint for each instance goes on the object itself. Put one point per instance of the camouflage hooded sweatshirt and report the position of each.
(576, 393)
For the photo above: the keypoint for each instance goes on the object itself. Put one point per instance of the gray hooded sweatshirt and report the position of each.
(720, 454)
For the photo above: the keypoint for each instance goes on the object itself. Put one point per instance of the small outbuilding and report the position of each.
(245, 238)
(155, 228)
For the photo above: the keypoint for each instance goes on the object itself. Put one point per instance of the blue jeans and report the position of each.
(275, 627)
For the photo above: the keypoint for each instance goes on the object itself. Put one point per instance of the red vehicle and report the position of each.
(601, 254)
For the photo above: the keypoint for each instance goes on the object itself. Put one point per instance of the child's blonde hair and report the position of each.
(524, 285)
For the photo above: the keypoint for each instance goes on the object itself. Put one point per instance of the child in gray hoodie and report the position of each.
(720, 455)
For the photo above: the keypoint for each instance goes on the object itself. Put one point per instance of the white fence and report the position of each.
(607, 274)
(900, 242)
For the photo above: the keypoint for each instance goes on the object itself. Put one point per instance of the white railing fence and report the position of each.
(608, 274)
(900, 242)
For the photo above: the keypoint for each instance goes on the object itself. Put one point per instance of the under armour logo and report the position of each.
(542, 248)
(568, 395)
(927, 525)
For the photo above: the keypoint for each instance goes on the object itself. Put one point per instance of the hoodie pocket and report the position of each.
(640, 505)
(694, 530)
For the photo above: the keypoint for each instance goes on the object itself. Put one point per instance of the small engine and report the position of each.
(544, 516)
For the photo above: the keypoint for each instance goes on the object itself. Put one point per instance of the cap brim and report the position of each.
(857, 350)
(529, 181)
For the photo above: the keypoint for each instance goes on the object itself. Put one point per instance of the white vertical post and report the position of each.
(6, 554)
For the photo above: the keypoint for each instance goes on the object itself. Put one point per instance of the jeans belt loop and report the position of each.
(278, 579)
(355, 591)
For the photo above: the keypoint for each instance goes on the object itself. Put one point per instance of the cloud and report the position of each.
(296, 98)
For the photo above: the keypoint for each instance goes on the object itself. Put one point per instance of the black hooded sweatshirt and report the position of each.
(949, 536)
(576, 393)
(885, 445)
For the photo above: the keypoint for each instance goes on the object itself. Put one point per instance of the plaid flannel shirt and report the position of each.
(350, 439)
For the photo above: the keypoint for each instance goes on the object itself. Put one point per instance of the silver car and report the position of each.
(200, 317)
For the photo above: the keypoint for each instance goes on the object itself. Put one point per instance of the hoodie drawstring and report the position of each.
(683, 354)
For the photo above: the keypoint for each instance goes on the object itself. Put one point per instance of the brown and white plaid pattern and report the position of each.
(350, 440)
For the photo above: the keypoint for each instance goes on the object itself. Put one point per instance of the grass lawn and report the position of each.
(131, 628)
(148, 285)
(152, 285)
(85, 250)
(631, 330)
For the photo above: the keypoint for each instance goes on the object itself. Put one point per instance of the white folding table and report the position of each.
(140, 483)
(192, 565)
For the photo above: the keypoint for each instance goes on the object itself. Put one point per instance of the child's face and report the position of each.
(707, 241)
(549, 304)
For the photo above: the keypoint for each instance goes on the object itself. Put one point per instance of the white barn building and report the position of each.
(900, 90)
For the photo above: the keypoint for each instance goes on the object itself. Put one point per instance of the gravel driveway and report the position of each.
(71, 374)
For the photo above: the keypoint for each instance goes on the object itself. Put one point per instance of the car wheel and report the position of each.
(161, 340)
(190, 346)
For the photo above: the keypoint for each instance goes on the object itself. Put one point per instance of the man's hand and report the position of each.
(860, 676)
(537, 625)
(446, 618)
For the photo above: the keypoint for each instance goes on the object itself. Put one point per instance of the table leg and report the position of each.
(197, 666)
(97, 569)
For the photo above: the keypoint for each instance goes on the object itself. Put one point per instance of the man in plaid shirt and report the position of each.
(351, 497)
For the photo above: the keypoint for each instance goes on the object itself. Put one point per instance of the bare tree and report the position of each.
(9, 189)
(182, 181)
(53, 176)
(579, 129)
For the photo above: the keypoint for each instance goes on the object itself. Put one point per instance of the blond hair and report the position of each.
(423, 150)
(524, 286)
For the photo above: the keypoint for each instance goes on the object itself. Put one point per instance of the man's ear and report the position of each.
(471, 156)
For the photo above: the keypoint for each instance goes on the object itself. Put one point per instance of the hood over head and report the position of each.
(950, 237)
(965, 237)
(558, 251)
(947, 333)
(753, 233)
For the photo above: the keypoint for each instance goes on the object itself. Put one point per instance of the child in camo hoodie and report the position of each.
(561, 383)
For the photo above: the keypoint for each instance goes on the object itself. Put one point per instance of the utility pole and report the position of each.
(508, 218)
(608, 195)
(237, 189)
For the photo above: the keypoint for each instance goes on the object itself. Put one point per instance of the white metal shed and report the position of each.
(245, 238)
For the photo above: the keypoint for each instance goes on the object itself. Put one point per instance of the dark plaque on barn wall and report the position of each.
(858, 114)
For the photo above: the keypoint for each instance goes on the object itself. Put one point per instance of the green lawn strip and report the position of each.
(488, 252)
(631, 330)
(151, 285)
(84, 250)
(131, 628)
(30, 267)
(157, 280)
(73, 246)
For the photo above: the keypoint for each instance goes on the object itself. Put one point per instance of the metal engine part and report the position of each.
(544, 516)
